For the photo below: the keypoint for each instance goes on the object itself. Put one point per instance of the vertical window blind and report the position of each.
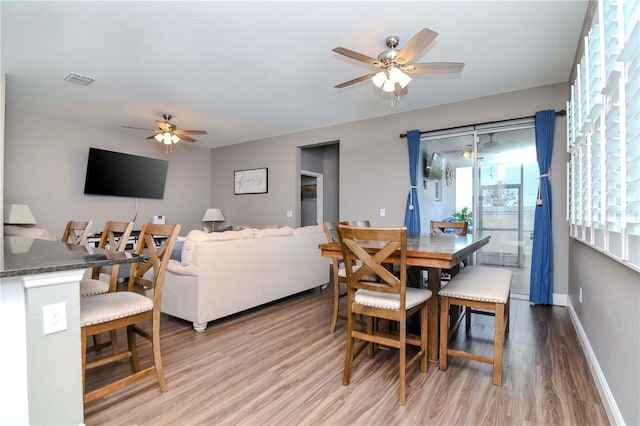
(603, 135)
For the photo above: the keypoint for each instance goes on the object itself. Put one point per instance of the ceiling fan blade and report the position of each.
(186, 138)
(138, 128)
(151, 137)
(357, 56)
(434, 67)
(417, 44)
(163, 125)
(355, 80)
(193, 132)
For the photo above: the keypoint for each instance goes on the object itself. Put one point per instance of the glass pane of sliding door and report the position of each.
(507, 184)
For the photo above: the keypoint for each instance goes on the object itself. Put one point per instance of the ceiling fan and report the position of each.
(167, 132)
(393, 64)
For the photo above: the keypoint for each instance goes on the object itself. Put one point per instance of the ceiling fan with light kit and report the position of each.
(167, 133)
(393, 65)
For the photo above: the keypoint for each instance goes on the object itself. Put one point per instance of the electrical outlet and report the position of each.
(382, 212)
(54, 317)
(289, 213)
(580, 295)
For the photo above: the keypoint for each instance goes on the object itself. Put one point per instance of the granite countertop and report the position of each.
(26, 256)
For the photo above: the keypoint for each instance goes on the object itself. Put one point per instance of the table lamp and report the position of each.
(213, 216)
(18, 214)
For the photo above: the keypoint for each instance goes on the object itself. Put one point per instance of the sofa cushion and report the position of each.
(312, 229)
(196, 236)
(276, 232)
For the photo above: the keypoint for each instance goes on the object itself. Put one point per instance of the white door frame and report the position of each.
(319, 192)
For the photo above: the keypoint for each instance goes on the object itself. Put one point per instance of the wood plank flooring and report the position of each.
(280, 365)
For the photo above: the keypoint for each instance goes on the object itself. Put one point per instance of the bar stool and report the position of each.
(478, 287)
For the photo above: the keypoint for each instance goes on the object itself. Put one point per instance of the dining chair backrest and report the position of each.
(441, 227)
(360, 223)
(76, 232)
(115, 236)
(331, 231)
(391, 241)
(156, 260)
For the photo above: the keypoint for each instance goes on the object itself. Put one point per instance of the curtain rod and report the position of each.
(558, 113)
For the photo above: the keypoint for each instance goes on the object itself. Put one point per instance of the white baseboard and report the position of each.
(558, 299)
(610, 406)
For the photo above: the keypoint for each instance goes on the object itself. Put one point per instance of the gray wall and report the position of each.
(610, 316)
(374, 164)
(45, 163)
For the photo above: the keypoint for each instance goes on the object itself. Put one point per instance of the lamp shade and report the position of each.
(18, 214)
(213, 215)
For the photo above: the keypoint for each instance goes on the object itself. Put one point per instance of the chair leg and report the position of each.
(131, 339)
(348, 361)
(336, 303)
(467, 318)
(424, 330)
(444, 332)
(114, 342)
(498, 342)
(403, 360)
(157, 357)
(507, 316)
(370, 328)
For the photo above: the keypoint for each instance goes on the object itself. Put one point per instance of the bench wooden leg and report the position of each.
(444, 331)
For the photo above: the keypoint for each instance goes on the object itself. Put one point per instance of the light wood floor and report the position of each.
(279, 365)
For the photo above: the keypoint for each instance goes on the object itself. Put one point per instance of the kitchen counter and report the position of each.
(41, 360)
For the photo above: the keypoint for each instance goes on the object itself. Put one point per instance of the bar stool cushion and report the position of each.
(101, 308)
(480, 283)
(89, 287)
(415, 296)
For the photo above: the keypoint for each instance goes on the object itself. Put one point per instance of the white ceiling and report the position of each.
(247, 70)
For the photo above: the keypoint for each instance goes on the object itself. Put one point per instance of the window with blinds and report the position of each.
(603, 135)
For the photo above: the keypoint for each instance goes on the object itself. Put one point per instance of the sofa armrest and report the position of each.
(177, 268)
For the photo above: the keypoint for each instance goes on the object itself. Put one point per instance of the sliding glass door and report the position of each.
(494, 185)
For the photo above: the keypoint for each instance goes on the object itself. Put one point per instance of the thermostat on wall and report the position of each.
(158, 220)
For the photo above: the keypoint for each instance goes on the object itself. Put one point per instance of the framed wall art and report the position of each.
(253, 181)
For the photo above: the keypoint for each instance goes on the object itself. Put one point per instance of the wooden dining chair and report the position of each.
(461, 228)
(104, 279)
(339, 275)
(389, 298)
(115, 236)
(76, 232)
(110, 311)
(337, 272)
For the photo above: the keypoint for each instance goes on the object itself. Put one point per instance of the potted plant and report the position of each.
(464, 215)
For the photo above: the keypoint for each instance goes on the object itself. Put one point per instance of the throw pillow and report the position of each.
(225, 229)
(176, 253)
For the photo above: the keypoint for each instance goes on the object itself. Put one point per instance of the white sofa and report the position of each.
(222, 273)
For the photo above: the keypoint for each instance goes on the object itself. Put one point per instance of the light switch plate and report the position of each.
(54, 317)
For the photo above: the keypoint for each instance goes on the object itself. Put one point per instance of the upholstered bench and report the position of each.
(478, 287)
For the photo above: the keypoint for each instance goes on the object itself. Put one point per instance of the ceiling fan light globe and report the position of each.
(389, 86)
(167, 138)
(403, 79)
(159, 137)
(175, 139)
(379, 79)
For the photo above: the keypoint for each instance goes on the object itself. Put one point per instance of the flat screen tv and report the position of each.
(124, 175)
(433, 170)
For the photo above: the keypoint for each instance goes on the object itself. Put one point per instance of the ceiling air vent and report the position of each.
(83, 80)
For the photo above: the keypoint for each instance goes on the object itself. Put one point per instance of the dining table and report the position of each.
(430, 252)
